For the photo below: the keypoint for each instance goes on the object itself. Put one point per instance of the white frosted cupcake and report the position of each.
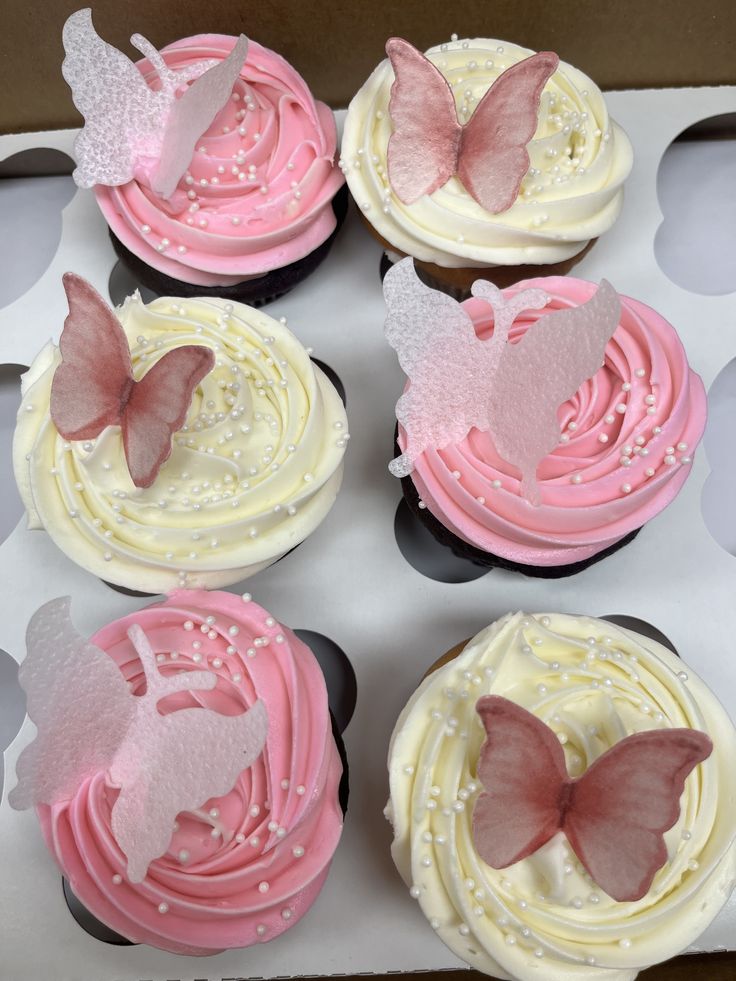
(592, 690)
(253, 469)
(570, 190)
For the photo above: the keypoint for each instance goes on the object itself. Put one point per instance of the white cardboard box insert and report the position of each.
(350, 581)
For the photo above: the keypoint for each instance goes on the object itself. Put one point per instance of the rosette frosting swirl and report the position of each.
(257, 195)
(571, 194)
(593, 684)
(248, 865)
(253, 471)
(627, 438)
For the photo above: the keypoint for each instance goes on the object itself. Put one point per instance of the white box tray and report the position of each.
(350, 581)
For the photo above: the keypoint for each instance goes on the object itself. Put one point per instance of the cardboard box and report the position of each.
(335, 45)
(345, 579)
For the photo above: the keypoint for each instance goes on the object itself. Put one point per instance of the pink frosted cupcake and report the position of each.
(248, 211)
(621, 442)
(241, 763)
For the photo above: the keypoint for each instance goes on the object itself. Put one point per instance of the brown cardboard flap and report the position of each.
(335, 45)
(688, 967)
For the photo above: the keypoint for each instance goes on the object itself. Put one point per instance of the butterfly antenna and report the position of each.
(506, 311)
(168, 78)
(158, 686)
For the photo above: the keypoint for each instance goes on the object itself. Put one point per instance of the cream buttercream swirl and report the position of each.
(247, 865)
(593, 684)
(257, 195)
(571, 194)
(253, 471)
(626, 445)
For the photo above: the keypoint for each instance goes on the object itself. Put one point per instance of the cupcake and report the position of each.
(200, 480)
(444, 172)
(639, 750)
(544, 454)
(228, 188)
(216, 725)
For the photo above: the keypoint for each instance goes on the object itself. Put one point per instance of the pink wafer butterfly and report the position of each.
(459, 382)
(429, 145)
(94, 387)
(614, 816)
(88, 722)
(130, 127)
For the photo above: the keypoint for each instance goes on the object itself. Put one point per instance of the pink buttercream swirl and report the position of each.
(257, 195)
(627, 440)
(248, 865)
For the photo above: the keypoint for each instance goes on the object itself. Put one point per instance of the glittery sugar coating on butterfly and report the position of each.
(130, 128)
(88, 721)
(458, 382)
(429, 145)
(614, 816)
(93, 387)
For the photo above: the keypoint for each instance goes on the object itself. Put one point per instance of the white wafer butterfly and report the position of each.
(88, 721)
(129, 126)
(459, 382)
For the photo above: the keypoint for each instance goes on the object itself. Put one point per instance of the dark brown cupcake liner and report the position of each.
(464, 550)
(255, 292)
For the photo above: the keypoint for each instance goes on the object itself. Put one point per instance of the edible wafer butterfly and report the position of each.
(614, 816)
(94, 387)
(459, 382)
(162, 762)
(429, 145)
(133, 128)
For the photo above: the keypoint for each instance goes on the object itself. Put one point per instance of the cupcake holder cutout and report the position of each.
(90, 924)
(348, 580)
(122, 283)
(428, 556)
(695, 246)
(12, 706)
(12, 509)
(35, 187)
(719, 513)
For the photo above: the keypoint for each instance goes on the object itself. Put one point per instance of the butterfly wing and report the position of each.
(92, 382)
(186, 758)
(446, 364)
(493, 158)
(522, 769)
(422, 150)
(157, 408)
(621, 807)
(67, 680)
(540, 372)
(122, 115)
(192, 114)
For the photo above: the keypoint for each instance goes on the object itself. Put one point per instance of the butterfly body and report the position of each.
(614, 816)
(429, 145)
